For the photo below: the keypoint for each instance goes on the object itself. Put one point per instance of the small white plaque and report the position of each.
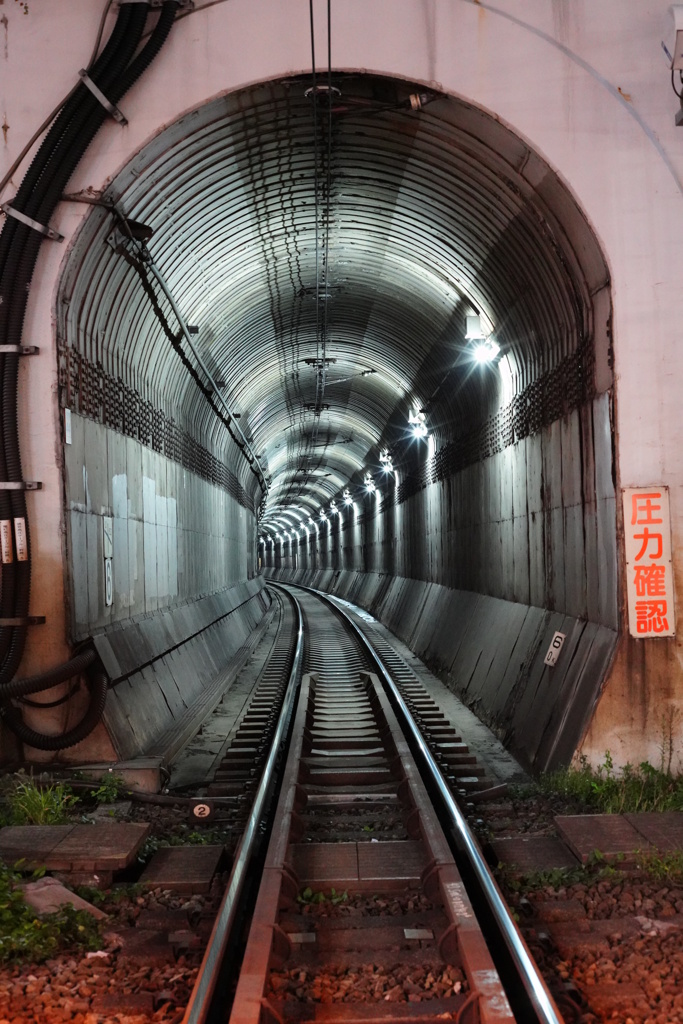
(108, 536)
(6, 541)
(67, 426)
(555, 648)
(21, 540)
(108, 583)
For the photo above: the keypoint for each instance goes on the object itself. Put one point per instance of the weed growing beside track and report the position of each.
(24, 936)
(609, 790)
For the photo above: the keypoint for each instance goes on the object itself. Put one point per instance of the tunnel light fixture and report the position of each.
(387, 461)
(370, 485)
(343, 380)
(333, 508)
(418, 423)
(348, 500)
(486, 351)
(474, 330)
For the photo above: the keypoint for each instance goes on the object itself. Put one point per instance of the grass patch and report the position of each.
(595, 870)
(611, 791)
(109, 899)
(185, 836)
(31, 802)
(310, 897)
(110, 788)
(662, 867)
(43, 801)
(25, 937)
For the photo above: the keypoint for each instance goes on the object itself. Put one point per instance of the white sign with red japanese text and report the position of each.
(649, 573)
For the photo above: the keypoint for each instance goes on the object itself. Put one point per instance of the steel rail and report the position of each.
(533, 983)
(199, 1006)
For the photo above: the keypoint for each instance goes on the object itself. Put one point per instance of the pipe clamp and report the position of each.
(31, 223)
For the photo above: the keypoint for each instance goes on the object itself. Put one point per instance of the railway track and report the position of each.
(362, 913)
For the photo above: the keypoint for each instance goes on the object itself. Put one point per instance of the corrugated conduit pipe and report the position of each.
(114, 71)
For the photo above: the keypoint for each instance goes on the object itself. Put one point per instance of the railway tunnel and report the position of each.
(354, 324)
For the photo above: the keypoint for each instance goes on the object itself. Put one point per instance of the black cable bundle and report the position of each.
(114, 72)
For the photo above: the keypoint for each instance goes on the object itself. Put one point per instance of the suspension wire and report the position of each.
(321, 210)
(328, 185)
(314, 95)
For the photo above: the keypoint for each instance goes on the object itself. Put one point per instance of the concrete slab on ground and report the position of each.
(186, 869)
(589, 938)
(47, 895)
(322, 863)
(106, 846)
(610, 834)
(533, 853)
(623, 997)
(398, 859)
(31, 844)
(663, 829)
(358, 864)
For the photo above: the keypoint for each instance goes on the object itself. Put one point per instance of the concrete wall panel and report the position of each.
(162, 664)
(175, 535)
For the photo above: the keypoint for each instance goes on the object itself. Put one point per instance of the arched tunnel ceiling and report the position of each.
(329, 252)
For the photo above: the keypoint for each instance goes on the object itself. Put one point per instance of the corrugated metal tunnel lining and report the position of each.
(429, 215)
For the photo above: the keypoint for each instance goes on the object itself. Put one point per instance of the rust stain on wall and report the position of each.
(640, 706)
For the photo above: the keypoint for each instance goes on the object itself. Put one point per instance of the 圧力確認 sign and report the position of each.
(649, 572)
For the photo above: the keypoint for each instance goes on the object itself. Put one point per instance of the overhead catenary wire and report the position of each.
(321, 212)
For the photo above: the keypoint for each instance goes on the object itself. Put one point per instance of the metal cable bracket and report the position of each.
(20, 485)
(31, 223)
(101, 98)
(19, 350)
(27, 620)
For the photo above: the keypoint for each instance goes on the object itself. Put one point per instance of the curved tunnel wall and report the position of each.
(476, 574)
(512, 496)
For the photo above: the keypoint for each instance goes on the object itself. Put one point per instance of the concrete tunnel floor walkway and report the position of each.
(203, 753)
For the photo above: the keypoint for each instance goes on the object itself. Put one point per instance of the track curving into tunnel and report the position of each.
(346, 753)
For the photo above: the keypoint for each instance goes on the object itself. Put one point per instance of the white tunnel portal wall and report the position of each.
(577, 100)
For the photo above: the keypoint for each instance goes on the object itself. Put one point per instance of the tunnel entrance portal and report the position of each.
(355, 330)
